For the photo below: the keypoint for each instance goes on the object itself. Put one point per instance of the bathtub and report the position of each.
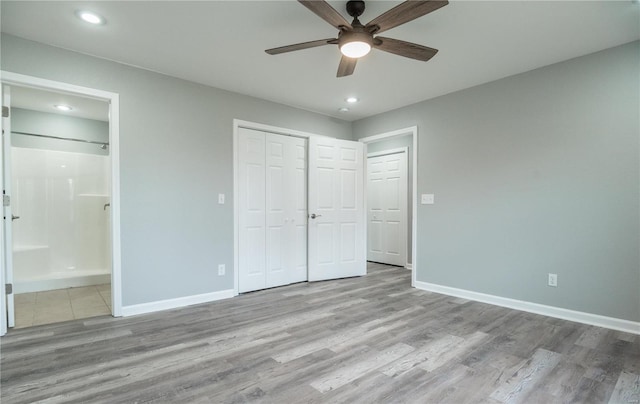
(32, 272)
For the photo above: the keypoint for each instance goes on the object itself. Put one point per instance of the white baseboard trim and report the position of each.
(557, 312)
(408, 266)
(168, 304)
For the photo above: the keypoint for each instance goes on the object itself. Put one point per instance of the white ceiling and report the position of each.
(45, 101)
(222, 43)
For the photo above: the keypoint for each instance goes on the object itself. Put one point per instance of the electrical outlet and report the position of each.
(221, 199)
(221, 269)
(553, 280)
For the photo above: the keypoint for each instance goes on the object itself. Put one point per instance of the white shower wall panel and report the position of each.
(60, 198)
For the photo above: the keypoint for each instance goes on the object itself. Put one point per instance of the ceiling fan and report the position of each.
(356, 40)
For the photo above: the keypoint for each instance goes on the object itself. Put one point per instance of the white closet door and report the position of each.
(336, 206)
(273, 210)
(277, 209)
(387, 209)
(252, 218)
(286, 210)
(298, 181)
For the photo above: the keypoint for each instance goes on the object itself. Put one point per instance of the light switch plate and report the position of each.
(221, 199)
(427, 199)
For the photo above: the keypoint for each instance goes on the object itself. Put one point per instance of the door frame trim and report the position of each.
(113, 99)
(381, 153)
(237, 124)
(389, 152)
(413, 131)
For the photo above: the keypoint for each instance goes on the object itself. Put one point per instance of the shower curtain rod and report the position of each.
(61, 138)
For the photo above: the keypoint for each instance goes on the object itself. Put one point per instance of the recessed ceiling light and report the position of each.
(351, 100)
(63, 107)
(343, 109)
(90, 17)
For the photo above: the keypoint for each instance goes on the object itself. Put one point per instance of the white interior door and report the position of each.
(272, 210)
(336, 206)
(276, 210)
(3, 295)
(387, 208)
(252, 217)
(286, 208)
(297, 178)
(7, 247)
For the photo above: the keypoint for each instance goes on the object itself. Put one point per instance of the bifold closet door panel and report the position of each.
(252, 234)
(298, 201)
(286, 209)
(277, 156)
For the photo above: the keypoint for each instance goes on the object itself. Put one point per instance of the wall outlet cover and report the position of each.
(427, 199)
(221, 269)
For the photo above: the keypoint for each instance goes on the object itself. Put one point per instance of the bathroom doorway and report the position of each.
(61, 239)
(61, 204)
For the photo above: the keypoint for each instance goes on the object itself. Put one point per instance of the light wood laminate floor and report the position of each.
(372, 339)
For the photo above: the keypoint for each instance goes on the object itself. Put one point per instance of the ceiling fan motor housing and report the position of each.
(355, 35)
(355, 8)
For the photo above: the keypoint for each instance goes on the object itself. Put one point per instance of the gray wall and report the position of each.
(43, 123)
(397, 143)
(532, 174)
(175, 157)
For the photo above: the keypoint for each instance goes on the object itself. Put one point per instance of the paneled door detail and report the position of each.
(387, 209)
(272, 210)
(297, 248)
(286, 208)
(252, 217)
(336, 209)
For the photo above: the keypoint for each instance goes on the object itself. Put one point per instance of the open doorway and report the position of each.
(391, 202)
(60, 182)
(60, 171)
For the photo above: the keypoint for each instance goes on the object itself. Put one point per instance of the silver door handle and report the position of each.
(13, 217)
(313, 215)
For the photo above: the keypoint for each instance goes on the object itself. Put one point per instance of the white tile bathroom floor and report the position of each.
(54, 306)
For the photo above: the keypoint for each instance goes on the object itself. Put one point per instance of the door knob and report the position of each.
(13, 217)
(313, 216)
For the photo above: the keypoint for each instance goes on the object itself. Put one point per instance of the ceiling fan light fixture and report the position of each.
(355, 49)
(355, 44)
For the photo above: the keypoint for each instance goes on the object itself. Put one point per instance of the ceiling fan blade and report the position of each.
(300, 46)
(404, 12)
(406, 49)
(323, 10)
(346, 66)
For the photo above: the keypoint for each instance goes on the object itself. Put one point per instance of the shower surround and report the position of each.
(62, 237)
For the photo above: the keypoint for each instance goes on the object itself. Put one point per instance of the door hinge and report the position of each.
(5, 112)
(8, 288)
(6, 200)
